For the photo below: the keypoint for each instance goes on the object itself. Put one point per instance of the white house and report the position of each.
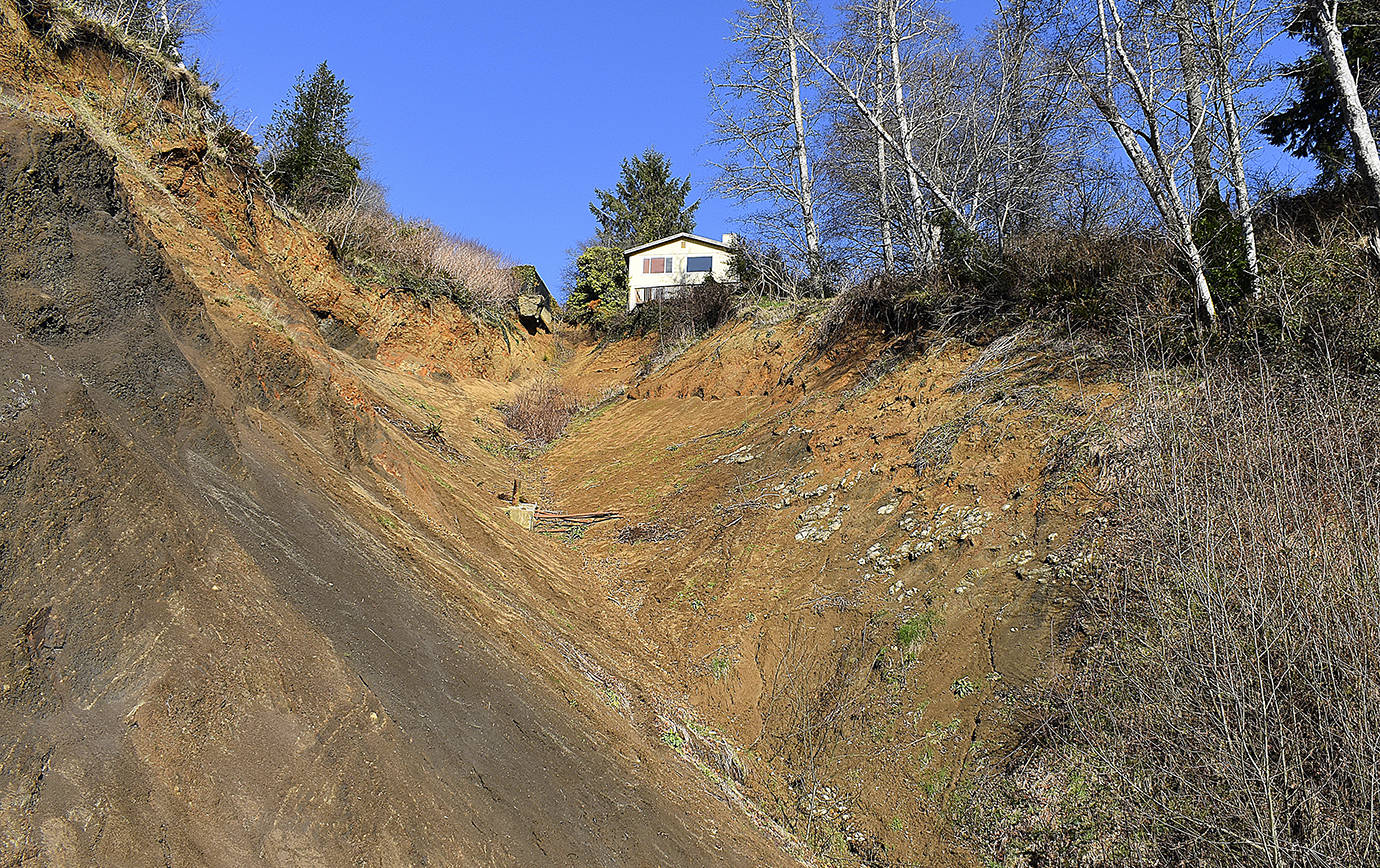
(660, 269)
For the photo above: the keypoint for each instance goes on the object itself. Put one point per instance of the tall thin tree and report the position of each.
(1322, 14)
(765, 123)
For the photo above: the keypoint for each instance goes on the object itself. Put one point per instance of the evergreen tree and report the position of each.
(1313, 124)
(647, 204)
(600, 291)
(309, 157)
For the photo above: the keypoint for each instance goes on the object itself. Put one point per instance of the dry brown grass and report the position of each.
(416, 252)
(1225, 707)
(541, 411)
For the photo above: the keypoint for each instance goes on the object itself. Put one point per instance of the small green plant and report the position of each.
(933, 780)
(496, 448)
(896, 824)
(964, 687)
(719, 668)
(916, 631)
(671, 738)
(388, 522)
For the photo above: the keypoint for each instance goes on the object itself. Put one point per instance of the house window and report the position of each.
(699, 264)
(658, 265)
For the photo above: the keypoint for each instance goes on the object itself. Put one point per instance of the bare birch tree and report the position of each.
(899, 29)
(1238, 32)
(883, 164)
(763, 120)
(1322, 15)
(1037, 119)
(856, 167)
(905, 23)
(1191, 68)
(1145, 83)
(860, 187)
(987, 135)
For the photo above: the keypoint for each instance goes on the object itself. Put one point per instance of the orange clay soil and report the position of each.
(850, 624)
(261, 603)
(264, 605)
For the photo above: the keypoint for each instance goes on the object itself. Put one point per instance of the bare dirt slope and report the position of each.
(845, 562)
(262, 604)
(257, 609)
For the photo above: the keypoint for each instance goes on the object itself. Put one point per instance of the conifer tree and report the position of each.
(309, 156)
(647, 204)
(1314, 123)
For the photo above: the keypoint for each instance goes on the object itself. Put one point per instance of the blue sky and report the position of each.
(496, 119)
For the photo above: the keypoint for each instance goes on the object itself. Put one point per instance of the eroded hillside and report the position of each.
(261, 606)
(843, 564)
(263, 603)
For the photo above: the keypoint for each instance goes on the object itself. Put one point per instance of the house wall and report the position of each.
(679, 250)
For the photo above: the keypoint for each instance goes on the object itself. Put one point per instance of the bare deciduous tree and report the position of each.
(906, 23)
(856, 168)
(1145, 83)
(1040, 136)
(764, 121)
(985, 134)
(1238, 33)
(1190, 66)
(1322, 14)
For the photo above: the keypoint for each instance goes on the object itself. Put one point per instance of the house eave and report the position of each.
(679, 236)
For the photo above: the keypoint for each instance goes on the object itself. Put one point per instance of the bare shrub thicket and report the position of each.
(695, 310)
(1225, 708)
(894, 304)
(418, 253)
(164, 25)
(541, 411)
(1316, 282)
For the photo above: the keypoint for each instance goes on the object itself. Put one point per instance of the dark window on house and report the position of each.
(699, 264)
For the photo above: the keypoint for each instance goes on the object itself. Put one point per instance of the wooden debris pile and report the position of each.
(532, 517)
(561, 522)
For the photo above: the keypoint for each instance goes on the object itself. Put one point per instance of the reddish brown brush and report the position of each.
(541, 411)
(1224, 703)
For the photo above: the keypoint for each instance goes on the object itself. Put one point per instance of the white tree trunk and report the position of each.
(883, 169)
(807, 206)
(1324, 16)
(1158, 176)
(1193, 100)
(867, 114)
(1238, 178)
(884, 209)
(925, 242)
(1226, 90)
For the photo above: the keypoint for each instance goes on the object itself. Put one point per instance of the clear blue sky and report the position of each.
(497, 119)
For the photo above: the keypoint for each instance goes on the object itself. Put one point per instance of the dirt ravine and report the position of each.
(261, 602)
(233, 635)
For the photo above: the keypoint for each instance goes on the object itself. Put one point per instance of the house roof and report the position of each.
(688, 236)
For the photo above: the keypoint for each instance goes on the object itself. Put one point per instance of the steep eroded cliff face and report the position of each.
(850, 563)
(261, 604)
(252, 613)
